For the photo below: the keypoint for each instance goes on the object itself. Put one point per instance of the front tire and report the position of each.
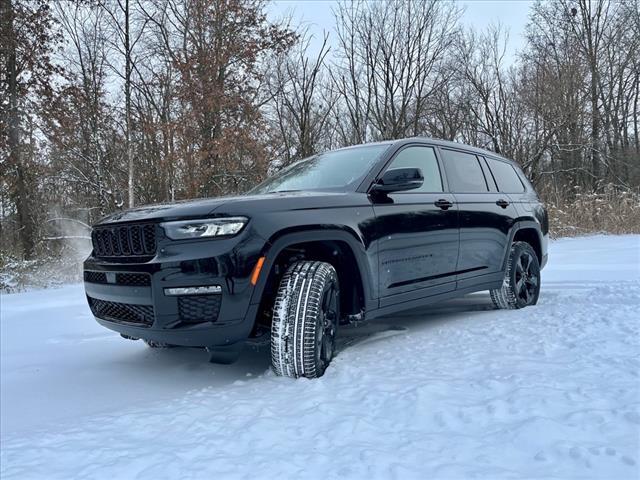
(521, 285)
(305, 320)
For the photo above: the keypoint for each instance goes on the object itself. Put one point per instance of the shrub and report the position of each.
(612, 211)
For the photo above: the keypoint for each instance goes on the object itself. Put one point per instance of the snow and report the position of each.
(454, 391)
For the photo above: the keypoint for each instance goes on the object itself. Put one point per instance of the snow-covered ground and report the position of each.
(458, 391)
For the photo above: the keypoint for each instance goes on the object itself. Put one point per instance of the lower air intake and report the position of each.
(141, 315)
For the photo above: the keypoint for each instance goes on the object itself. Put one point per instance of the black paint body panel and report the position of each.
(409, 251)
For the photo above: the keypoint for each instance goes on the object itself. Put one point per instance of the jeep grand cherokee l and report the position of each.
(349, 234)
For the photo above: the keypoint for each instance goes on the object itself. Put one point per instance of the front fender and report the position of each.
(283, 239)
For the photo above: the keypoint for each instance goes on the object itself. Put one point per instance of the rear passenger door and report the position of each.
(485, 215)
(417, 231)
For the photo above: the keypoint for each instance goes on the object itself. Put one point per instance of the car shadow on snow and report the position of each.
(254, 361)
(432, 316)
(189, 366)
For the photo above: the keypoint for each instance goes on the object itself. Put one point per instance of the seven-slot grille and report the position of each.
(138, 240)
(122, 312)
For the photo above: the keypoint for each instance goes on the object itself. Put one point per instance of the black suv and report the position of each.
(345, 235)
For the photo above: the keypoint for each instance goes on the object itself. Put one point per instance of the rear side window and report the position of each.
(505, 176)
(423, 158)
(464, 173)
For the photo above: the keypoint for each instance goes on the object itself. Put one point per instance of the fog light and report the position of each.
(204, 290)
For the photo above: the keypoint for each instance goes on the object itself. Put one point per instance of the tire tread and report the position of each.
(296, 307)
(504, 298)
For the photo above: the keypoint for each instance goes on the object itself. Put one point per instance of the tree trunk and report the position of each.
(21, 195)
(595, 126)
(636, 105)
(127, 96)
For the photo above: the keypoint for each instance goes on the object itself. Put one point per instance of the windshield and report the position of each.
(329, 170)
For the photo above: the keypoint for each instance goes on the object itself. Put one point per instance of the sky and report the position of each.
(318, 17)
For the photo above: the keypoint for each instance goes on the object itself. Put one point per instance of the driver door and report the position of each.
(418, 232)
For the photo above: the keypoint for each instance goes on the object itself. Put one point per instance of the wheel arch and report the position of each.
(330, 245)
(526, 231)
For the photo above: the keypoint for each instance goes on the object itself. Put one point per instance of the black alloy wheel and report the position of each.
(326, 327)
(527, 278)
(521, 285)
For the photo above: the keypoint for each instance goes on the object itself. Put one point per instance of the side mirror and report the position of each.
(399, 179)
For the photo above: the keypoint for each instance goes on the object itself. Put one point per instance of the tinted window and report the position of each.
(333, 170)
(464, 172)
(423, 158)
(506, 177)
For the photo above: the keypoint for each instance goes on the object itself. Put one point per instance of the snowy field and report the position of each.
(455, 392)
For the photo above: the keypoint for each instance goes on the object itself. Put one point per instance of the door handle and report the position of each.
(502, 203)
(443, 204)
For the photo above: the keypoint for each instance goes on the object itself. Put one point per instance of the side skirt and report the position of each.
(421, 302)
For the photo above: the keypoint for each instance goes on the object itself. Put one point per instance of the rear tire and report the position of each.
(521, 285)
(305, 320)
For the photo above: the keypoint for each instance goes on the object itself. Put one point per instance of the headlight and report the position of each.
(214, 227)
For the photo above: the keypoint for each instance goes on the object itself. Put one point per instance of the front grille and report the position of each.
(138, 240)
(125, 279)
(122, 312)
(199, 308)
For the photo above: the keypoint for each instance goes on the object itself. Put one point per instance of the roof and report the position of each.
(434, 141)
(448, 143)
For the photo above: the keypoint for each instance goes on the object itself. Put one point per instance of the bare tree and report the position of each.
(126, 37)
(302, 102)
(216, 48)
(82, 127)
(159, 100)
(390, 63)
(587, 51)
(28, 34)
(589, 21)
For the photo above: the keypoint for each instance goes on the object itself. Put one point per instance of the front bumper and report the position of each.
(130, 298)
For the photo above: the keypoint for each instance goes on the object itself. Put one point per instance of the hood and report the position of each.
(237, 205)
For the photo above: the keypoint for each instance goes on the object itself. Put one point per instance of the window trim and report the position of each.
(484, 163)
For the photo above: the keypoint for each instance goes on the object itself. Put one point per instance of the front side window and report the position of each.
(338, 169)
(423, 158)
(464, 173)
(506, 177)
